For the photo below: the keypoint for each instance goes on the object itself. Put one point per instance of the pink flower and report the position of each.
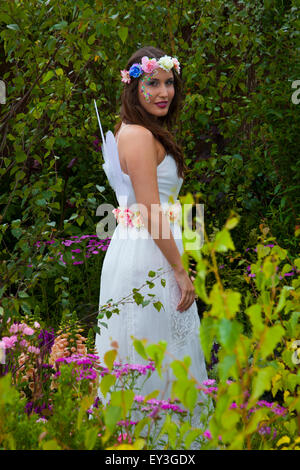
(148, 65)
(28, 331)
(139, 398)
(36, 324)
(209, 382)
(22, 326)
(14, 328)
(124, 437)
(207, 434)
(33, 350)
(176, 64)
(125, 76)
(9, 342)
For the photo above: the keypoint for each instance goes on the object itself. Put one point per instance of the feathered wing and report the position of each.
(111, 165)
(116, 174)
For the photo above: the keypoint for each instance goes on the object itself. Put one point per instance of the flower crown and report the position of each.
(148, 65)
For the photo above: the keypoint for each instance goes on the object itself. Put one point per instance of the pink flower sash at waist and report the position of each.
(129, 218)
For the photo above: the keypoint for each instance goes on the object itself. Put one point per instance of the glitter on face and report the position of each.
(145, 80)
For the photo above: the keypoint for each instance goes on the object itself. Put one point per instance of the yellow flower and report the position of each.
(283, 440)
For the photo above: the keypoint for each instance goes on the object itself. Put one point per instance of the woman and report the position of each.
(152, 168)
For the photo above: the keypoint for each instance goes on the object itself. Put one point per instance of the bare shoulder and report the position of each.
(135, 134)
(137, 145)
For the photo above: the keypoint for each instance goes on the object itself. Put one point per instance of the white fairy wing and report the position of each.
(111, 165)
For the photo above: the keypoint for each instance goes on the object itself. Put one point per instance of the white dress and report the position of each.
(126, 265)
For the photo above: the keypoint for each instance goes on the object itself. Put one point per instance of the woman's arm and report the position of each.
(137, 147)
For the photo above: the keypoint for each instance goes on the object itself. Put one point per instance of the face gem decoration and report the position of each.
(146, 80)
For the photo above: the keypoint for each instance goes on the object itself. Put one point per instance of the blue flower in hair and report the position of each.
(135, 70)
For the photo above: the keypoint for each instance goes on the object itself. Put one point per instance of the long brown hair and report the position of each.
(132, 112)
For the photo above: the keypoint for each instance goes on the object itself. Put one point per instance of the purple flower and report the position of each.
(97, 144)
(264, 430)
(72, 162)
(29, 407)
(46, 340)
(96, 402)
(154, 412)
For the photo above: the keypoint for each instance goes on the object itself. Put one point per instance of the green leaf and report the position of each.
(140, 426)
(262, 381)
(223, 241)
(109, 358)
(112, 415)
(170, 429)
(191, 397)
(20, 156)
(80, 220)
(123, 399)
(50, 445)
(230, 419)
(207, 335)
(62, 25)
(90, 438)
(225, 366)
(200, 289)
(292, 323)
(179, 370)
(106, 383)
(158, 305)
(47, 76)
(15, 27)
(150, 284)
(139, 347)
(272, 336)
(282, 299)
(8, 394)
(254, 313)
(156, 352)
(233, 221)
(191, 436)
(228, 333)
(233, 300)
(123, 33)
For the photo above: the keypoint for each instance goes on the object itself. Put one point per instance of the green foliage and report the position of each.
(259, 360)
(239, 131)
(238, 128)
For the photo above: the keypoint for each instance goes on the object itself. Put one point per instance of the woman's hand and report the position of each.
(187, 289)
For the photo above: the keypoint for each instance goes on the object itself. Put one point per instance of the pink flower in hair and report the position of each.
(148, 65)
(125, 76)
(176, 64)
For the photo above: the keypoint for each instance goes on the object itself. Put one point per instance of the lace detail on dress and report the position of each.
(183, 324)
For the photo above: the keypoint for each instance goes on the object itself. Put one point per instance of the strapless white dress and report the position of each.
(126, 265)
